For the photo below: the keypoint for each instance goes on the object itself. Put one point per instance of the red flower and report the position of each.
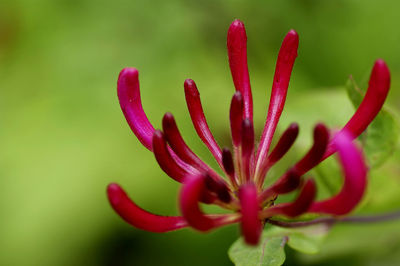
(242, 190)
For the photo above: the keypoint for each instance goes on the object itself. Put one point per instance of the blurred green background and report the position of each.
(63, 137)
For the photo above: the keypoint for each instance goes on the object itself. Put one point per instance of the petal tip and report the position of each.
(320, 131)
(292, 39)
(189, 82)
(112, 187)
(168, 118)
(158, 134)
(191, 88)
(114, 192)
(294, 127)
(129, 72)
(237, 33)
(127, 78)
(381, 70)
(237, 23)
(292, 33)
(380, 63)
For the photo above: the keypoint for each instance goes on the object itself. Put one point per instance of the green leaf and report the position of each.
(354, 92)
(308, 240)
(270, 251)
(380, 138)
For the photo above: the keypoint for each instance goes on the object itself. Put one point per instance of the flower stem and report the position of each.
(365, 219)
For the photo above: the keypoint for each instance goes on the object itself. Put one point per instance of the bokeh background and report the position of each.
(63, 137)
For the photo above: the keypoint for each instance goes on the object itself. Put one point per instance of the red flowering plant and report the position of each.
(240, 189)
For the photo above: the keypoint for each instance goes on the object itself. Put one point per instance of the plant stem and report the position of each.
(333, 220)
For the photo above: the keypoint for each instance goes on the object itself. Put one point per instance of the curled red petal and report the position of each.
(138, 217)
(282, 147)
(236, 118)
(180, 150)
(299, 206)
(190, 195)
(251, 224)
(192, 96)
(355, 179)
(178, 145)
(372, 103)
(284, 65)
(378, 89)
(290, 181)
(284, 144)
(131, 105)
(165, 159)
(237, 54)
(315, 154)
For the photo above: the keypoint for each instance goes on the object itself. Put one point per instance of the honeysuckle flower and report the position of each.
(240, 188)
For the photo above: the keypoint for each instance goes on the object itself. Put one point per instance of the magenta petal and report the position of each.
(190, 195)
(192, 96)
(237, 53)
(236, 118)
(165, 160)
(379, 84)
(138, 217)
(284, 65)
(251, 224)
(297, 207)
(131, 105)
(355, 179)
